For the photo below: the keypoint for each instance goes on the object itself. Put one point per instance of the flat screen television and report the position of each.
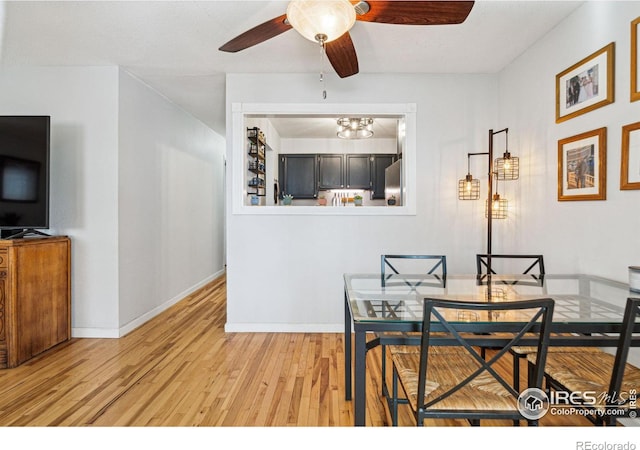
(24, 174)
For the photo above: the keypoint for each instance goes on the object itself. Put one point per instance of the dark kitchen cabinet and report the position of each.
(303, 175)
(330, 171)
(298, 175)
(358, 173)
(378, 165)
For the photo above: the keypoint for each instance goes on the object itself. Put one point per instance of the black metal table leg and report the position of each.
(347, 349)
(360, 377)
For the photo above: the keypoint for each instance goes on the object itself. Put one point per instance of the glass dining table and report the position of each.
(588, 312)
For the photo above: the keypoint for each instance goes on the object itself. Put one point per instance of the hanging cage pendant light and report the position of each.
(507, 167)
(499, 207)
(469, 187)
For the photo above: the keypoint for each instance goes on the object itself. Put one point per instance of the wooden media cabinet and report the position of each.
(35, 297)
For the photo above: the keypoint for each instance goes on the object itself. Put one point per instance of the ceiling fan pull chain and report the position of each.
(321, 40)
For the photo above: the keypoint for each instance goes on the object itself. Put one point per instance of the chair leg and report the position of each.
(394, 398)
(516, 372)
(516, 379)
(383, 367)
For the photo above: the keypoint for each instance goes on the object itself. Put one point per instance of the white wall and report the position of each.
(599, 237)
(285, 271)
(339, 146)
(83, 105)
(455, 113)
(135, 182)
(602, 235)
(171, 203)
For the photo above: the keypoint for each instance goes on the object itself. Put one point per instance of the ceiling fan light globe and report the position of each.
(311, 18)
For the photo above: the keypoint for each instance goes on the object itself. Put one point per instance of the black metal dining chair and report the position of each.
(512, 264)
(397, 264)
(610, 379)
(412, 264)
(525, 264)
(449, 379)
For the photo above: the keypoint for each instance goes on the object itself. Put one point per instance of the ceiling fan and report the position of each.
(328, 22)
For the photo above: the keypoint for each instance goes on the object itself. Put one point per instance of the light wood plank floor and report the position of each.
(182, 369)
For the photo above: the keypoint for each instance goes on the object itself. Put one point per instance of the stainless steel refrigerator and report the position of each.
(393, 184)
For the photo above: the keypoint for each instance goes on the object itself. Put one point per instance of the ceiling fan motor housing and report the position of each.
(361, 8)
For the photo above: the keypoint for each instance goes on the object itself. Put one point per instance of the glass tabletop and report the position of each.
(399, 298)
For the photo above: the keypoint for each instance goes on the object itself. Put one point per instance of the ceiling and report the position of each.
(173, 45)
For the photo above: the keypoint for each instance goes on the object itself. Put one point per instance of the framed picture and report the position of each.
(582, 167)
(630, 165)
(635, 60)
(586, 86)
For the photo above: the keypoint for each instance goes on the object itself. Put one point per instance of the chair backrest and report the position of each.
(510, 264)
(468, 324)
(412, 264)
(631, 313)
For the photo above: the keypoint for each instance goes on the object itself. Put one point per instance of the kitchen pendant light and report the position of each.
(355, 127)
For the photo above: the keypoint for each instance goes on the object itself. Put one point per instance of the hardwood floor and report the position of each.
(182, 369)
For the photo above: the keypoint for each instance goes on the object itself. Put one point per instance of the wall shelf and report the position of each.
(256, 164)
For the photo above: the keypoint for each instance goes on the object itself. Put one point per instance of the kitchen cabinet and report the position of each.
(330, 171)
(378, 165)
(303, 175)
(297, 174)
(354, 171)
(358, 173)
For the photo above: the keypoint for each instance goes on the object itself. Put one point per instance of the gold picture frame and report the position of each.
(630, 161)
(587, 85)
(582, 166)
(635, 60)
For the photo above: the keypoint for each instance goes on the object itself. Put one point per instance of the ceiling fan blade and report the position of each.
(342, 55)
(441, 12)
(257, 34)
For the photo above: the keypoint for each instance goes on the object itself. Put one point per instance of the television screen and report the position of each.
(24, 172)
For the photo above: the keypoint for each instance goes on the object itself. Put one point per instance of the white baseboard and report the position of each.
(95, 333)
(106, 333)
(283, 328)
